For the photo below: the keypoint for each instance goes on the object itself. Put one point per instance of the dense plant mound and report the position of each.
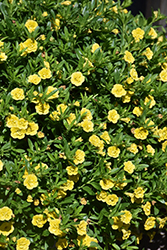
(83, 135)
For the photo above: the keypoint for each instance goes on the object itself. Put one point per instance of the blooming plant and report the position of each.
(83, 134)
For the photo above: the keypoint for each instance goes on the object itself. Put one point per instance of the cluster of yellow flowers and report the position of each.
(21, 127)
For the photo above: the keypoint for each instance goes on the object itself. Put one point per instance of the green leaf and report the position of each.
(116, 246)
(95, 185)
(156, 211)
(31, 146)
(88, 190)
(68, 200)
(114, 171)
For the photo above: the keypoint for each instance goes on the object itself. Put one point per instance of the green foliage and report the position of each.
(83, 135)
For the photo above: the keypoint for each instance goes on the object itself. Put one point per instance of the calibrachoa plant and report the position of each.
(83, 134)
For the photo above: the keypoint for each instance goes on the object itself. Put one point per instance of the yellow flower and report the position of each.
(86, 114)
(41, 165)
(52, 214)
(129, 167)
(17, 133)
(126, 234)
(155, 13)
(38, 220)
(111, 199)
(36, 202)
(31, 25)
(94, 140)
(1, 165)
(31, 46)
(61, 243)
(115, 31)
(1, 43)
(17, 94)
(77, 78)
(53, 96)
(32, 128)
(149, 223)
(41, 134)
(121, 183)
(148, 99)
(71, 118)
(69, 185)
(61, 108)
(77, 103)
(126, 217)
(160, 39)
(12, 121)
(45, 73)
(133, 74)
(66, 3)
(42, 108)
(105, 136)
(133, 148)
(164, 144)
(42, 37)
(128, 57)
(95, 46)
(147, 208)
(115, 9)
(129, 80)
(118, 90)
(79, 157)
(22, 243)
(163, 75)
(88, 64)
(35, 79)
(150, 149)
(113, 151)
(54, 227)
(126, 119)
(139, 193)
(30, 181)
(148, 53)
(164, 66)
(117, 223)
(81, 227)
(86, 240)
(56, 24)
(29, 198)
(138, 111)
(162, 222)
(44, 14)
(102, 196)
(22, 123)
(55, 116)
(138, 34)
(140, 133)
(87, 125)
(6, 228)
(47, 65)
(162, 133)
(3, 57)
(6, 213)
(113, 116)
(71, 170)
(127, 97)
(152, 33)
(17, 190)
(106, 184)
